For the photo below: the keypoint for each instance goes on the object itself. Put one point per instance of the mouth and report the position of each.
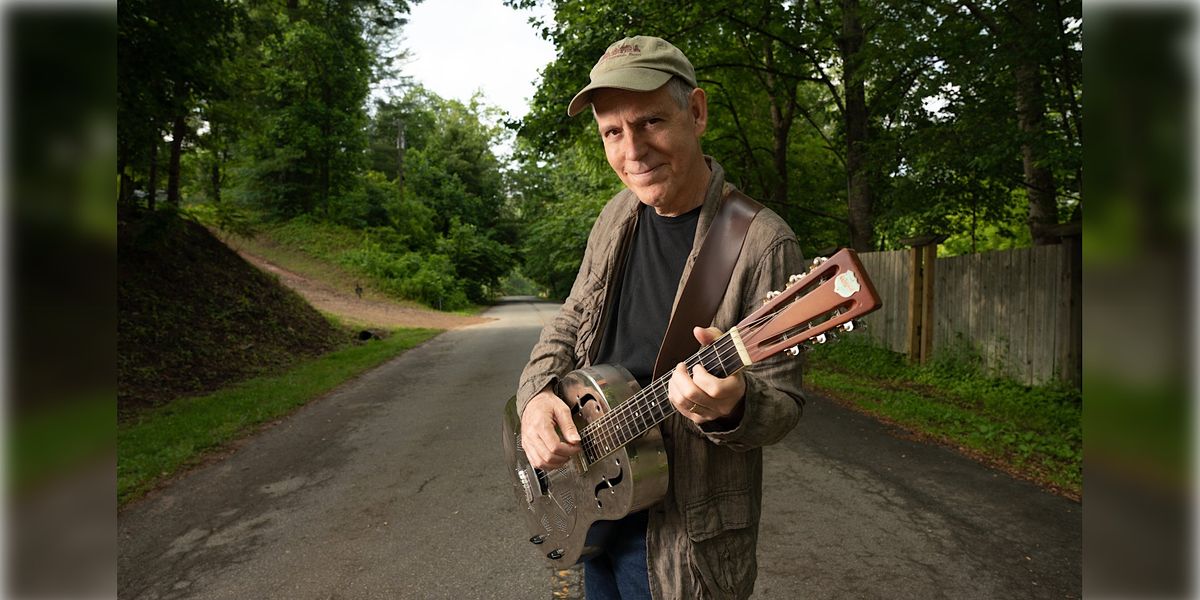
(643, 173)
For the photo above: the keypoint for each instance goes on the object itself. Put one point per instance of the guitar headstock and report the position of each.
(833, 293)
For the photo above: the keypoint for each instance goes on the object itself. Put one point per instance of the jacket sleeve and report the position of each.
(774, 397)
(554, 355)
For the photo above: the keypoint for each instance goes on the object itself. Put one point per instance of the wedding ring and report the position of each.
(694, 407)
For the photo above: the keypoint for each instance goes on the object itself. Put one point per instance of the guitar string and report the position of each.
(722, 348)
(601, 432)
(618, 432)
(607, 432)
(600, 435)
(609, 426)
(621, 415)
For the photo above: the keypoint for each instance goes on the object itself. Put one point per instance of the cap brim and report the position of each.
(635, 79)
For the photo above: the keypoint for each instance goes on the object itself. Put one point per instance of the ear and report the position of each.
(698, 107)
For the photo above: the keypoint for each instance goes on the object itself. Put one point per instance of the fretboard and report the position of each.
(650, 406)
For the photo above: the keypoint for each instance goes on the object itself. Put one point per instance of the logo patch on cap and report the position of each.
(622, 50)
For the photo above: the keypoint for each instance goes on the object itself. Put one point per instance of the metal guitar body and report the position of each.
(561, 505)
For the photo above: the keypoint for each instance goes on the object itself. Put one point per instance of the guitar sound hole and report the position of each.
(590, 406)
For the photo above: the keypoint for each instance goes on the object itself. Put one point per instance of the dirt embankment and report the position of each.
(365, 311)
(194, 317)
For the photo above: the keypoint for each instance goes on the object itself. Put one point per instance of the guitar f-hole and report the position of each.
(608, 484)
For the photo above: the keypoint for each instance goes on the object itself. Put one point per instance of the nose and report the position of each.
(633, 145)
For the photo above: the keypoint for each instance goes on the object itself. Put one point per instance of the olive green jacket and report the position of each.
(701, 539)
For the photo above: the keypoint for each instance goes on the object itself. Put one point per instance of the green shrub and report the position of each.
(436, 284)
(427, 278)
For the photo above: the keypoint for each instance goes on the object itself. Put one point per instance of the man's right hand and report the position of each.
(544, 417)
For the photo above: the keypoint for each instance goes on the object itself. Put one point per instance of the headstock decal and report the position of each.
(846, 284)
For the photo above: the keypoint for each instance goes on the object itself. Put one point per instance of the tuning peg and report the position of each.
(818, 260)
(794, 278)
(794, 350)
(820, 339)
(772, 295)
(848, 326)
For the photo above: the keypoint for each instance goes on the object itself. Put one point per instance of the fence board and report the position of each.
(889, 274)
(1006, 306)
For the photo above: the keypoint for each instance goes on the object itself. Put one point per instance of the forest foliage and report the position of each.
(862, 123)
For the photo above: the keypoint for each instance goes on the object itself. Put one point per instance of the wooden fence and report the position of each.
(1013, 308)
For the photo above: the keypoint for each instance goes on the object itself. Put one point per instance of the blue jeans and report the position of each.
(620, 572)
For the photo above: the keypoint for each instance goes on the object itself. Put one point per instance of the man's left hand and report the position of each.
(702, 396)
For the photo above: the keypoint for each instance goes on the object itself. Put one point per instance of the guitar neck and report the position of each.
(650, 406)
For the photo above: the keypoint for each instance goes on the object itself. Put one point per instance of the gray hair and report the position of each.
(680, 90)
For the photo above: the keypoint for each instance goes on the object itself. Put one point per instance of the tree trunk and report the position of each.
(214, 173)
(401, 147)
(177, 131)
(152, 185)
(1039, 181)
(1031, 109)
(781, 126)
(125, 192)
(326, 158)
(859, 196)
(215, 179)
(1031, 119)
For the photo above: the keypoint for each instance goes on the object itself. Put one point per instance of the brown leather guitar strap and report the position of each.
(708, 280)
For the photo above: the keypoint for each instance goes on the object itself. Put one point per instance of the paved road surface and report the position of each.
(394, 487)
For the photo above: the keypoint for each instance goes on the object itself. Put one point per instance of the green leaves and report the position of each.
(558, 202)
(937, 146)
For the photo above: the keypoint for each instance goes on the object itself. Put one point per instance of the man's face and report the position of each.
(654, 145)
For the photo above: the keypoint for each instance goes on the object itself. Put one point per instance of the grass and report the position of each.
(1034, 432)
(317, 253)
(160, 442)
(306, 262)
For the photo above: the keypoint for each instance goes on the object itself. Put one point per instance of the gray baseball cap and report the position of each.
(640, 63)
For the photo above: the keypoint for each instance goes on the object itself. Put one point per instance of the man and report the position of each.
(700, 541)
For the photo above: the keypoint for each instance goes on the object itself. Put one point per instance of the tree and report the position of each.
(557, 201)
(772, 72)
(1039, 49)
(315, 83)
(448, 163)
(169, 55)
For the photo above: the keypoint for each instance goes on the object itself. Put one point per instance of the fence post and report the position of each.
(1070, 358)
(922, 257)
(914, 304)
(927, 302)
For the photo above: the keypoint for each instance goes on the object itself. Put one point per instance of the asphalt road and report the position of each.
(394, 487)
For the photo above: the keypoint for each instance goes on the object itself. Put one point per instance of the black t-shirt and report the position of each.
(642, 310)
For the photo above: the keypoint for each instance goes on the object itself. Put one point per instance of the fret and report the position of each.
(712, 364)
(650, 406)
(731, 361)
